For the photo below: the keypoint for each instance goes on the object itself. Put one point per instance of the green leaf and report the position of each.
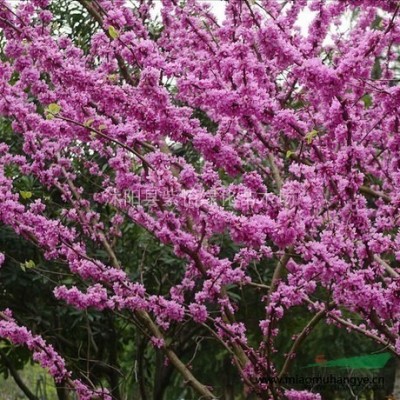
(27, 265)
(377, 23)
(11, 170)
(310, 136)
(102, 127)
(367, 100)
(376, 72)
(297, 105)
(289, 153)
(54, 108)
(113, 77)
(25, 194)
(114, 34)
(88, 123)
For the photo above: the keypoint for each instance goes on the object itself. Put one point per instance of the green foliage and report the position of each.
(367, 100)
(155, 29)
(114, 34)
(377, 69)
(72, 19)
(52, 110)
(34, 377)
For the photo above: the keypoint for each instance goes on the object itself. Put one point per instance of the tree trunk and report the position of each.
(396, 385)
(114, 374)
(162, 376)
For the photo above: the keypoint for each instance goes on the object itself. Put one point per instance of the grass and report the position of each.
(35, 378)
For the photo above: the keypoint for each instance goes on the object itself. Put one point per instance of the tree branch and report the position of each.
(173, 358)
(304, 333)
(279, 271)
(387, 267)
(356, 328)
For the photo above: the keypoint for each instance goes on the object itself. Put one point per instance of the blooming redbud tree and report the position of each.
(285, 144)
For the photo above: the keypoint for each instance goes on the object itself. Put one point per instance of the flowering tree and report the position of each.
(286, 146)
